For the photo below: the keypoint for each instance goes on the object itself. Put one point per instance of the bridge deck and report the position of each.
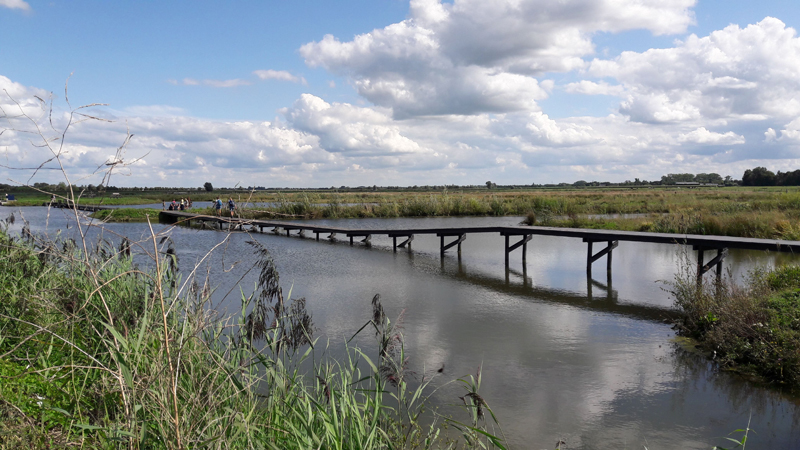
(588, 235)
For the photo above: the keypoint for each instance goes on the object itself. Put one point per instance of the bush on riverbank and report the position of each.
(96, 351)
(753, 327)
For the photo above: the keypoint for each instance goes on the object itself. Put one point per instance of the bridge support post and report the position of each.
(407, 242)
(443, 248)
(591, 258)
(523, 242)
(716, 261)
(317, 233)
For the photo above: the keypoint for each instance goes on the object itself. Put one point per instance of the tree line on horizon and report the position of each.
(758, 176)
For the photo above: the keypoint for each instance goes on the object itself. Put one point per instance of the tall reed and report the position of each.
(122, 356)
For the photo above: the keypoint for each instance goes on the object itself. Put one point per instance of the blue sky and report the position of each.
(390, 92)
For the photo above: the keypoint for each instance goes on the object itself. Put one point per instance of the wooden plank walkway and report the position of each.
(701, 243)
(79, 207)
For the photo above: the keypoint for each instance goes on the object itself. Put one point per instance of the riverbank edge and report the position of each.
(751, 328)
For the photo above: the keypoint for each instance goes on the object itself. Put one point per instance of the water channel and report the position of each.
(591, 362)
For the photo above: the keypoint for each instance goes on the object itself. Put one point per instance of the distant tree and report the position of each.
(208, 186)
(788, 178)
(579, 183)
(488, 185)
(759, 176)
(710, 178)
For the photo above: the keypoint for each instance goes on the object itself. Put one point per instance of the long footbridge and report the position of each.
(515, 237)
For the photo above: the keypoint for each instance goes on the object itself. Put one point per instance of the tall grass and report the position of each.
(98, 351)
(752, 326)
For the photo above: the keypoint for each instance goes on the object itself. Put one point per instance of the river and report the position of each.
(591, 362)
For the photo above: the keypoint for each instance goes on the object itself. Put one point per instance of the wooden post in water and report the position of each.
(525, 255)
(700, 272)
(703, 268)
(523, 242)
(589, 261)
(607, 252)
(461, 238)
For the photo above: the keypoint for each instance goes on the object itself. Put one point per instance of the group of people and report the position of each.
(187, 203)
(175, 206)
(218, 206)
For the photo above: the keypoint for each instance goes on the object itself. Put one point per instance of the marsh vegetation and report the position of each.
(97, 350)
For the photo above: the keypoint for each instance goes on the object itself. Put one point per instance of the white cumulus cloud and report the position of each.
(703, 136)
(734, 73)
(470, 56)
(15, 4)
(350, 129)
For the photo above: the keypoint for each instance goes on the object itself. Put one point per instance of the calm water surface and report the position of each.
(592, 362)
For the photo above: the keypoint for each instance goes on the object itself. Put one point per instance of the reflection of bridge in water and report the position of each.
(454, 237)
(600, 296)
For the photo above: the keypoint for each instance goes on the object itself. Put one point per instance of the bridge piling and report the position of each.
(591, 258)
(443, 248)
(716, 261)
(523, 242)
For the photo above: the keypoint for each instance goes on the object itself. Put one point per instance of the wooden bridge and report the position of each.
(515, 237)
(71, 205)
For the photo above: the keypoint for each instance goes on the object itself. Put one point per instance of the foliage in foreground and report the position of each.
(753, 327)
(97, 352)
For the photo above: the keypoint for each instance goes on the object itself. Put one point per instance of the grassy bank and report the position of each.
(770, 224)
(99, 352)
(127, 214)
(752, 327)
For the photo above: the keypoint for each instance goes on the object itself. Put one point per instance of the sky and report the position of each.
(313, 93)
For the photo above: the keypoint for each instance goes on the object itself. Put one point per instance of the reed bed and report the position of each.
(717, 202)
(752, 326)
(101, 349)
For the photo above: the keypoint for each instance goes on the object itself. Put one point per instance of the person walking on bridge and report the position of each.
(231, 205)
(218, 206)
